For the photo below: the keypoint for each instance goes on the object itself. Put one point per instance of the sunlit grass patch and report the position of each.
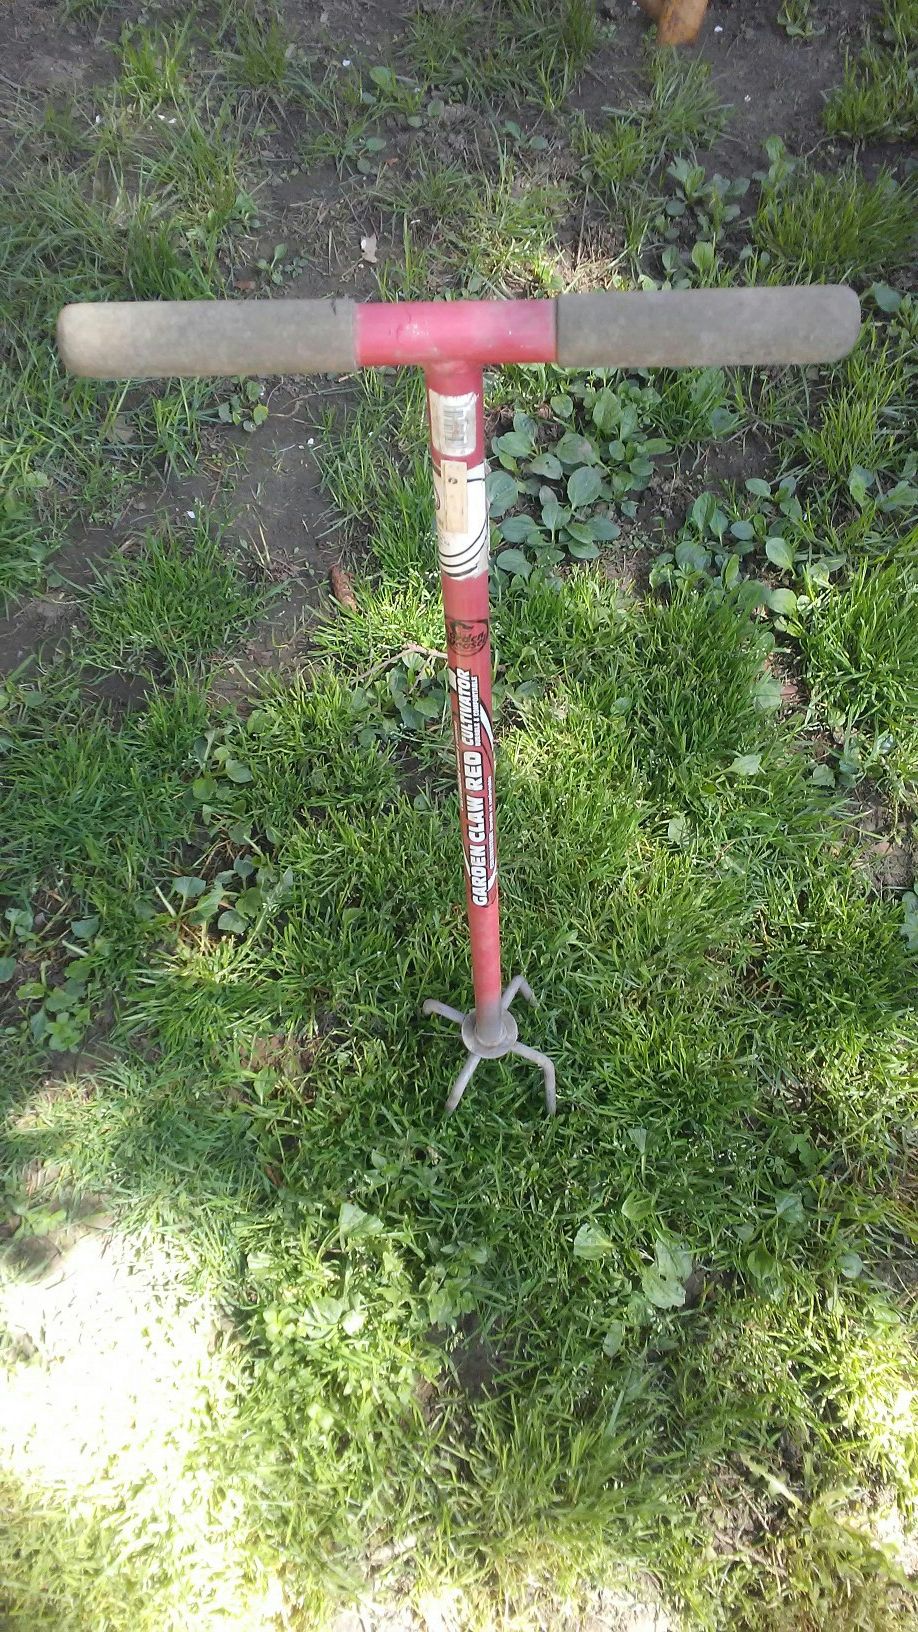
(180, 599)
(129, 1367)
(714, 982)
(861, 647)
(464, 1369)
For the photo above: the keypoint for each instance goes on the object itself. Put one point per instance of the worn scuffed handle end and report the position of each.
(142, 340)
(686, 328)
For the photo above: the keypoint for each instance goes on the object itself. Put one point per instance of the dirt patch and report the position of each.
(887, 854)
(890, 863)
(628, 564)
(121, 694)
(43, 51)
(475, 1360)
(280, 509)
(783, 664)
(713, 465)
(733, 460)
(774, 84)
(37, 627)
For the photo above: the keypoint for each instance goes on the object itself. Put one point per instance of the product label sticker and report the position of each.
(475, 755)
(453, 424)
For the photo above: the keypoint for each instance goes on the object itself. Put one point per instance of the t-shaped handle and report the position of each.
(672, 328)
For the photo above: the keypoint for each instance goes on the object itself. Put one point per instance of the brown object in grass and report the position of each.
(678, 21)
(342, 588)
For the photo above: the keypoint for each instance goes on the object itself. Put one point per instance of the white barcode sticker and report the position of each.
(453, 424)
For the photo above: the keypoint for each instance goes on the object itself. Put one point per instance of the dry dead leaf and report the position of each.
(342, 588)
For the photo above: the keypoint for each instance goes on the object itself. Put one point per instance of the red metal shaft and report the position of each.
(455, 402)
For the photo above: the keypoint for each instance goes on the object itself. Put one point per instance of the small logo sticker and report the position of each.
(466, 638)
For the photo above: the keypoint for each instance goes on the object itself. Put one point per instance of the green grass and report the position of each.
(154, 66)
(684, 109)
(180, 599)
(259, 57)
(143, 209)
(878, 96)
(471, 1367)
(835, 227)
(518, 49)
(490, 234)
(861, 648)
(89, 801)
(853, 450)
(365, 1247)
(626, 158)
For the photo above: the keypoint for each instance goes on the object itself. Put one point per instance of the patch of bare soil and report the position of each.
(628, 562)
(36, 627)
(887, 854)
(775, 84)
(44, 51)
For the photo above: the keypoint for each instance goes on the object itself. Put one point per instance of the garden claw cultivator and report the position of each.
(504, 1040)
(452, 341)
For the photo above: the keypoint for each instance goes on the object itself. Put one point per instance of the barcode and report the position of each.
(453, 423)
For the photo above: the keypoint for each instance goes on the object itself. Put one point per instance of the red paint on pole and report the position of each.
(456, 414)
(469, 648)
(428, 332)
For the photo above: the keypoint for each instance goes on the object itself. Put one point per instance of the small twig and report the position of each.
(586, 195)
(411, 650)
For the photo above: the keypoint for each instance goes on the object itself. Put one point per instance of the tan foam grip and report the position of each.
(143, 340)
(681, 328)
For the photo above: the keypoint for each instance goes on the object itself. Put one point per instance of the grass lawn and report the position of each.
(280, 1346)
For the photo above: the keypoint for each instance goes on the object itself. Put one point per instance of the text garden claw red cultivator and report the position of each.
(453, 341)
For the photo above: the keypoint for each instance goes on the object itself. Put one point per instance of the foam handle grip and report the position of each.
(143, 340)
(679, 328)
